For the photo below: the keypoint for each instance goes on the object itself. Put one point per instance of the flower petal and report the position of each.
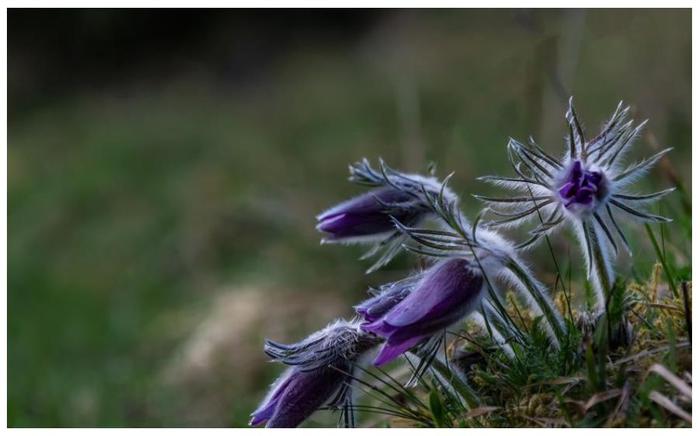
(392, 350)
(304, 394)
(446, 286)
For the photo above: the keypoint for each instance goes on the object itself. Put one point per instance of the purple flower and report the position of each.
(587, 189)
(447, 292)
(582, 187)
(369, 215)
(298, 394)
(389, 296)
(373, 216)
(320, 373)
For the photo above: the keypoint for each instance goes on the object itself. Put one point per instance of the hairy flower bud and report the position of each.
(296, 395)
(320, 373)
(395, 199)
(368, 216)
(446, 293)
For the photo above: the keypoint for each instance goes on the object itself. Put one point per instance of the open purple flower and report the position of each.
(320, 373)
(445, 294)
(586, 189)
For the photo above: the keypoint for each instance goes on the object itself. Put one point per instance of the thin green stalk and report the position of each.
(554, 258)
(463, 389)
(545, 305)
(662, 259)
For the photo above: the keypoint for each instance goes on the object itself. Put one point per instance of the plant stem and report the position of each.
(600, 270)
(662, 259)
(462, 389)
(542, 301)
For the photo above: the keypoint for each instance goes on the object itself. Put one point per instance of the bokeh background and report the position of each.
(165, 168)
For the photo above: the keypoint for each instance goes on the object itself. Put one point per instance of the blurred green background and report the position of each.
(165, 168)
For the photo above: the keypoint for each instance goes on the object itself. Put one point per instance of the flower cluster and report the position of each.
(469, 264)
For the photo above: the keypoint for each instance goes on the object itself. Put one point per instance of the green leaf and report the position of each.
(438, 409)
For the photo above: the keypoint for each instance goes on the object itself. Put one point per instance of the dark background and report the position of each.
(165, 168)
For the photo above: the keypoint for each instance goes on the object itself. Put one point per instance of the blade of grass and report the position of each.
(662, 259)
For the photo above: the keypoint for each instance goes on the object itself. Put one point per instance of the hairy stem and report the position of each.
(599, 271)
(543, 304)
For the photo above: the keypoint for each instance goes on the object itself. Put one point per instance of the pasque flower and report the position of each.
(296, 395)
(469, 262)
(369, 217)
(585, 189)
(445, 294)
(320, 373)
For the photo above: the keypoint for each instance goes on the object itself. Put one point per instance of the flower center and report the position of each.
(581, 187)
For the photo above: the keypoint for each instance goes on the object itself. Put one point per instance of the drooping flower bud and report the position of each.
(445, 294)
(296, 395)
(320, 373)
(369, 215)
(372, 217)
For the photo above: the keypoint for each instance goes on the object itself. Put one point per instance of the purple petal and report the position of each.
(369, 214)
(374, 308)
(595, 177)
(350, 224)
(444, 295)
(261, 416)
(306, 392)
(430, 326)
(265, 411)
(445, 287)
(379, 328)
(576, 172)
(391, 350)
(369, 202)
(582, 186)
(567, 190)
(584, 196)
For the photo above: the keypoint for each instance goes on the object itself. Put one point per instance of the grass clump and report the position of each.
(630, 367)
